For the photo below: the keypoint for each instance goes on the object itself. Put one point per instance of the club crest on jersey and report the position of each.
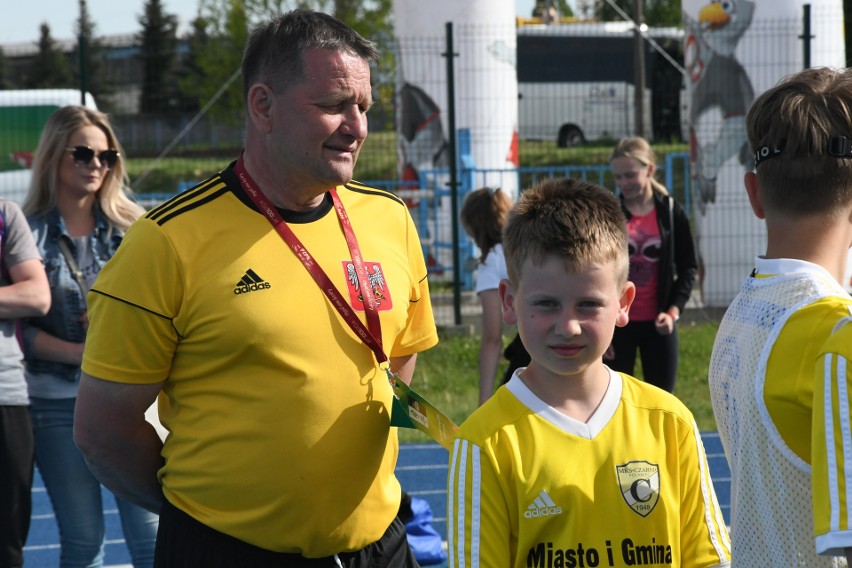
(376, 277)
(639, 482)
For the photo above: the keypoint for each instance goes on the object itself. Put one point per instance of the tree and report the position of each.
(663, 13)
(373, 21)
(370, 19)
(5, 82)
(90, 69)
(157, 50)
(221, 30)
(217, 45)
(656, 12)
(563, 9)
(189, 70)
(50, 68)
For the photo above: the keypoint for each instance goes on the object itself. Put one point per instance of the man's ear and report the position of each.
(507, 301)
(260, 99)
(624, 303)
(755, 195)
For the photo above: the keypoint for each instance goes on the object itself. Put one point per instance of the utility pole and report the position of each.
(639, 69)
(82, 45)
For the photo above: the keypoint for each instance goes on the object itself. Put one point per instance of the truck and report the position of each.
(22, 117)
(576, 82)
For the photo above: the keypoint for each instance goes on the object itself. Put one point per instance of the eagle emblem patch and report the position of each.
(376, 277)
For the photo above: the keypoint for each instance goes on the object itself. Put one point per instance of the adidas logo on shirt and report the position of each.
(251, 282)
(543, 506)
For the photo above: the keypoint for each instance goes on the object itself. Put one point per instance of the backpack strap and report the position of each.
(672, 228)
(72, 265)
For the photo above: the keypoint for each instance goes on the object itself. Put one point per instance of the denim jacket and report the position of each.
(67, 301)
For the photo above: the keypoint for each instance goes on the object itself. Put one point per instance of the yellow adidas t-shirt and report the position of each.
(529, 486)
(278, 413)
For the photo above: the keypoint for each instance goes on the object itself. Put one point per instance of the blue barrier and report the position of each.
(435, 224)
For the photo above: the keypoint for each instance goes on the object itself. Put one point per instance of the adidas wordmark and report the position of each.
(251, 282)
(543, 506)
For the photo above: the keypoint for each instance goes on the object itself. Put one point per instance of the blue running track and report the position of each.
(422, 470)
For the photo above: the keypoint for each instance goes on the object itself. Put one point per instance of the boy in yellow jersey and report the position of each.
(571, 463)
(788, 482)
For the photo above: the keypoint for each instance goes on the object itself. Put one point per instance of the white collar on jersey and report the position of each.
(770, 266)
(587, 430)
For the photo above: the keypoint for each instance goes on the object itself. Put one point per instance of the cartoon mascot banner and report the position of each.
(733, 51)
(486, 102)
(486, 82)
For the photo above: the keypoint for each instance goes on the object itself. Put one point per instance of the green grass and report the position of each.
(163, 176)
(696, 343)
(378, 161)
(447, 376)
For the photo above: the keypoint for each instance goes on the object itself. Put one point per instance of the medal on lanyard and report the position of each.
(412, 410)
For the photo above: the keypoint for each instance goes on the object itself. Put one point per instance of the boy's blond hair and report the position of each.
(575, 219)
(805, 121)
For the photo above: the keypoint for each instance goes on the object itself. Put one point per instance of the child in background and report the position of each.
(662, 266)
(572, 463)
(482, 215)
(788, 449)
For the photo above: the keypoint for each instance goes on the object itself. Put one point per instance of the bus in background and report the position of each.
(22, 117)
(575, 82)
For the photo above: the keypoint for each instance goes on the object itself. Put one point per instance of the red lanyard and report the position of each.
(370, 335)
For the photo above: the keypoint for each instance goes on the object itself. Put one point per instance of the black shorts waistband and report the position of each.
(187, 527)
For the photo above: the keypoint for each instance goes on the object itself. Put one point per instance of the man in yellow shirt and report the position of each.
(264, 307)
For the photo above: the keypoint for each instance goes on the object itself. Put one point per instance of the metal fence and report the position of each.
(575, 99)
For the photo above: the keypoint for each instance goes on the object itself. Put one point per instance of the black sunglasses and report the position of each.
(85, 155)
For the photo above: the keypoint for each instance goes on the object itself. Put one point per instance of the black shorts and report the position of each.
(183, 542)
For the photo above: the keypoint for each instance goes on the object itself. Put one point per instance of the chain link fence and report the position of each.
(575, 98)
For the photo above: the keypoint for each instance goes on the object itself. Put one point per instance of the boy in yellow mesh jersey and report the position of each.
(777, 438)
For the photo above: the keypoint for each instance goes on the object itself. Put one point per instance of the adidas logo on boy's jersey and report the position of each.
(251, 282)
(543, 506)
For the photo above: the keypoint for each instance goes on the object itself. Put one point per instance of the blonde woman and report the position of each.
(663, 266)
(78, 209)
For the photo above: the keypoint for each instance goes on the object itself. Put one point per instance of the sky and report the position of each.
(111, 17)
